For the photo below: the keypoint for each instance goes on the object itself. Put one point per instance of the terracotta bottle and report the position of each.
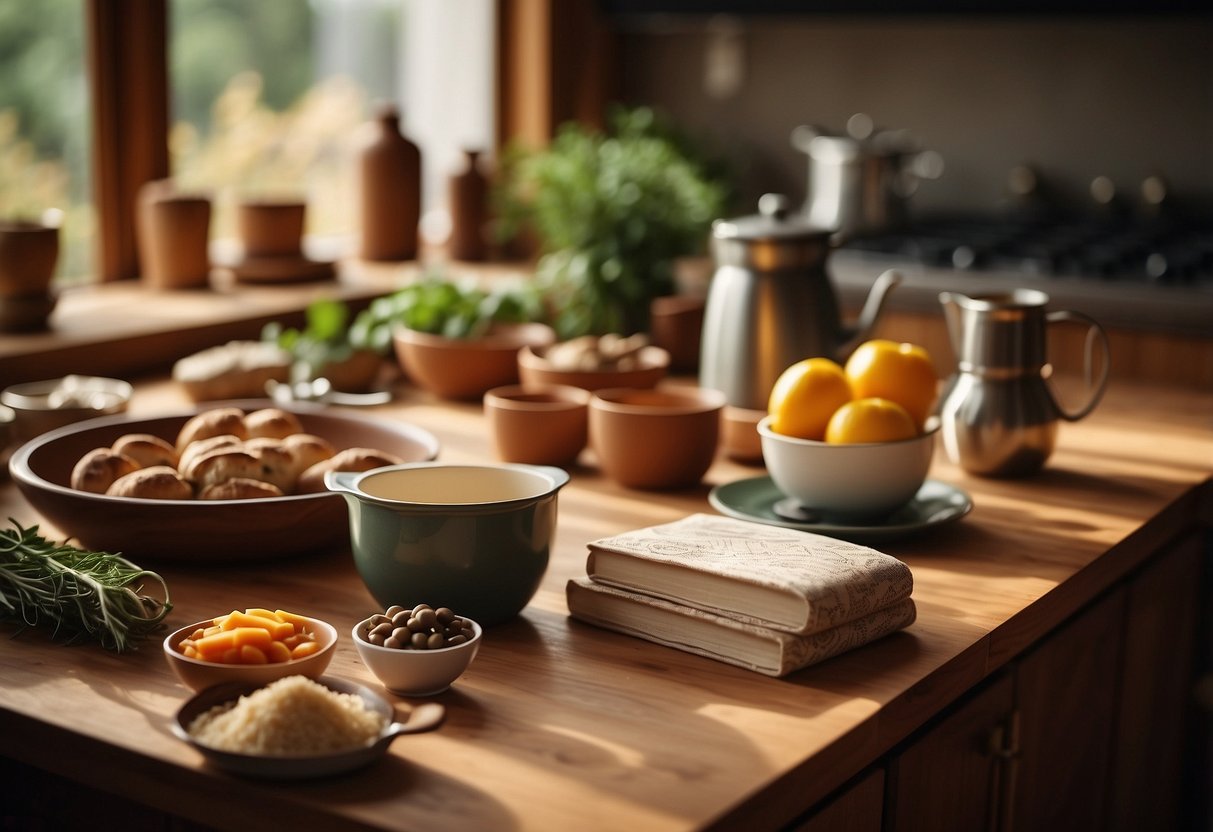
(468, 202)
(390, 174)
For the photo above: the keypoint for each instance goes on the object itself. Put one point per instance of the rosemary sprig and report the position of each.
(84, 594)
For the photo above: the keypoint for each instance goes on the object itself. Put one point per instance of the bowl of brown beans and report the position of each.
(417, 651)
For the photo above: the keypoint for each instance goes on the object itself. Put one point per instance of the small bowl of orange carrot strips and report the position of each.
(255, 646)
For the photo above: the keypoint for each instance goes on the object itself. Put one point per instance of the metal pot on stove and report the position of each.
(861, 182)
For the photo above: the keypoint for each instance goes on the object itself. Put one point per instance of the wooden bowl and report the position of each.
(203, 531)
(466, 368)
(534, 368)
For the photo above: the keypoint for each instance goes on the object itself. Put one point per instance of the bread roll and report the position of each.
(159, 482)
(97, 470)
(194, 450)
(221, 465)
(273, 423)
(311, 481)
(217, 422)
(240, 488)
(146, 449)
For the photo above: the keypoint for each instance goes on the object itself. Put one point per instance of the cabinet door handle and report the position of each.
(1003, 746)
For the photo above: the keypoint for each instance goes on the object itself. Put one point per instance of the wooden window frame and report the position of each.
(127, 54)
(556, 62)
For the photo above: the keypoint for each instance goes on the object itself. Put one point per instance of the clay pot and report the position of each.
(272, 228)
(467, 368)
(468, 202)
(541, 425)
(29, 252)
(739, 434)
(173, 231)
(676, 325)
(390, 179)
(655, 439)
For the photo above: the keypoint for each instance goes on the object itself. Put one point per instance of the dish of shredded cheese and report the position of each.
(292, 716)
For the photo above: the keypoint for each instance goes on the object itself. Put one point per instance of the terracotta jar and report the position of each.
(390, 178)
(173, 231)
(468, 204)
(28, 254)
(272, 228)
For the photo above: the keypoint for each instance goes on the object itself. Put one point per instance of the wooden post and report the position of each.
(128, 72)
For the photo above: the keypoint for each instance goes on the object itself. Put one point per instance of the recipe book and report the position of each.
(773, 577)
(761, 649)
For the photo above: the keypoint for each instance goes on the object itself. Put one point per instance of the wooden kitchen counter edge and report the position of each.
(557, 707)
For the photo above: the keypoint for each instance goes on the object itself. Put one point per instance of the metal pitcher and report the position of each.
(771, 303)
(999, 417)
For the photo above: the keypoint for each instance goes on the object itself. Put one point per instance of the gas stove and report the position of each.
(1155, 274)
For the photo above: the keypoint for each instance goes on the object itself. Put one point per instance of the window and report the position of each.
(44, 128)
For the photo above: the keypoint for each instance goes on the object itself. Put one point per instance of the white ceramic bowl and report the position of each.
(853, 481)
(199, 674)
(408, 672)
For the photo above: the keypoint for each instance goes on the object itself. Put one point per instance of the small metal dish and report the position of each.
(421, 718)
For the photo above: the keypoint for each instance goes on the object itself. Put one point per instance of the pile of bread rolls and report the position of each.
(222, 454)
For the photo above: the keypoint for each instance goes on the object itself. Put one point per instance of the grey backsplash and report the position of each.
(1076, 98)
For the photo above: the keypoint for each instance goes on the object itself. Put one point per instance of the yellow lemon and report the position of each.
(870, 420)
(902, 373)
(805, 396)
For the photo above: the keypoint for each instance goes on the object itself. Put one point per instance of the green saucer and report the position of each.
(757, 498)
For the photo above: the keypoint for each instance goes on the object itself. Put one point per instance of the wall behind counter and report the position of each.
(1124, 97)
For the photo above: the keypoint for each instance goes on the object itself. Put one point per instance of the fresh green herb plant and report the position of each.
(613, 212)
(325, 339)
(440, 306)
(82, 594)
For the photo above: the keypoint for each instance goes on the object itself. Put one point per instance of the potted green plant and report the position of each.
(327, 347)
(613, 211)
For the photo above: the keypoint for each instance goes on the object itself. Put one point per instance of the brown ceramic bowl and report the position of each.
(199, 674)
(541, 425)
(466, 368)
(202, 531)
(654, 439)
(739, 434)
(534, 368)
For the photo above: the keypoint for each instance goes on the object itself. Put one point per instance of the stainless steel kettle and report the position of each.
(771, 303)
(999, 417)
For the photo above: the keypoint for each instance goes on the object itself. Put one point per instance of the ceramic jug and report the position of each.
(999, 417)
(771, 303)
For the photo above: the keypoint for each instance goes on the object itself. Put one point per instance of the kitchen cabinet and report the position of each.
(1084, 731)
(858, 808)
(953, 776)
(1154, 726)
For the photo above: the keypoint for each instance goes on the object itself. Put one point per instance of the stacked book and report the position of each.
(769, 599)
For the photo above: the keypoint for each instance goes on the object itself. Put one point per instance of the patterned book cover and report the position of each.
(756, 648)
(769, 576)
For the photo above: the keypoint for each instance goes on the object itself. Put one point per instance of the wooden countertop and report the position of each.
(558, 725)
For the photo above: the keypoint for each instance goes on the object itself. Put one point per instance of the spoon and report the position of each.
(321, 390)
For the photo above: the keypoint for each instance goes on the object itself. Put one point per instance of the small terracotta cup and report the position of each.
(739, 434)
(173, 231)
(655, 439)
(29, 252)
(272, 227)
(676, 325)
(540, 425)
